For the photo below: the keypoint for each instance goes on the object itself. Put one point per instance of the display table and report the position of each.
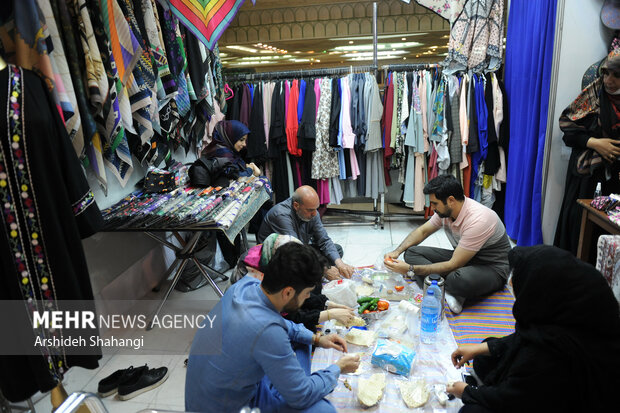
(589, 218)
(192, 210)
(432, 362)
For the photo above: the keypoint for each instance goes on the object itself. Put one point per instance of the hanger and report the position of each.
(227, 89)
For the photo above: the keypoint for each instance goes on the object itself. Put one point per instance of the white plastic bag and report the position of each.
(341, 292)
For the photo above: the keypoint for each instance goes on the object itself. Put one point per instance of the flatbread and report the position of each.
(370, 390)
(415, 392)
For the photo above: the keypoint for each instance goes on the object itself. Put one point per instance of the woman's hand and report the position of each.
(255, 169)
(607, 148)
(344, 315)
(463, 354)
(456, 388)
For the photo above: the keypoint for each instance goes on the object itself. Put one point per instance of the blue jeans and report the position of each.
(268, 399)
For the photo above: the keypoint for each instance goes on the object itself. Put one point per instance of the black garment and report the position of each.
(473, 144)
(306, 134)
(277, 144)
(64, 211)
(310, 311)
(234, 104)
(256, 146)
(334, 114)
(579, 186)
(491, 163)
(563, 354)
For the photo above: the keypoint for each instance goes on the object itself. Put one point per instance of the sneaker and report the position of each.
(109, 385)
(455, 304)
(148, 380)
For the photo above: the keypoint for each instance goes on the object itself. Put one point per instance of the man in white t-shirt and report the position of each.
(477, 266)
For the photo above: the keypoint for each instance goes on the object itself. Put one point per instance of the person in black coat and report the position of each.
(563, 355)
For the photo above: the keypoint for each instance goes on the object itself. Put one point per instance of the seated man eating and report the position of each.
(256, 358)
(477, 266)
(298, 216)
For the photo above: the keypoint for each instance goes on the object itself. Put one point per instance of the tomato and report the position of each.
(399, 287)
(366, 312)
(383, 305)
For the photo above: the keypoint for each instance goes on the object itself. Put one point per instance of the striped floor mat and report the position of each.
(490, 317)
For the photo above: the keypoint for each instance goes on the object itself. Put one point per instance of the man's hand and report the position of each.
(346, 271)
(332, 273)
(344, 315)
(333, 341)
(348, 364)
(463, 354)
(456, 388)
(392, 255)
(400, 267)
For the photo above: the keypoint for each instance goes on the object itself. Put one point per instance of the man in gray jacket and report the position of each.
(298, 216)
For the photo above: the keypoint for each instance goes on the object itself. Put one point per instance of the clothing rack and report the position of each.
(240, 77)
(409, 66)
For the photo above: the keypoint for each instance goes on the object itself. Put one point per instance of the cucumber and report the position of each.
(363, 300)
(364, 307)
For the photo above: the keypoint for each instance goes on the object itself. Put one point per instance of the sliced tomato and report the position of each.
(383, 305)
(366, 312)
(399, 287)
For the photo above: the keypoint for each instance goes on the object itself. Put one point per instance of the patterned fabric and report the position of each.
(489, 317)
(448, 9)
(324, 158)
(64, 84)
(80, 206)
(35, 278)
(476, 37)
(271, 244)
(207, 19)
(96, 78)
(608, 261)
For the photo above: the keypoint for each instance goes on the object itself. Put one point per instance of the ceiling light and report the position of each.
(259, 44)
(297, 52)
(404, 58)
(433, 47)
(350, 41)
(318, 60)
(311, 51)
(384, 36)
(242, 48)
(403, 39)
(380, 46)
(223, 54)
(382, 53)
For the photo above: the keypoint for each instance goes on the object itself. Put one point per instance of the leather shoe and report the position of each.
(148, 380)
(109, 385)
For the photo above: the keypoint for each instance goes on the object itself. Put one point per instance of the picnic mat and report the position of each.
(489, 317)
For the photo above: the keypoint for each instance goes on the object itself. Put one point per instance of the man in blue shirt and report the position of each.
(255, 357)
(298, 216)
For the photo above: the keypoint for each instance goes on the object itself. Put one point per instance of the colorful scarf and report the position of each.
(207, 19)
(271, 244)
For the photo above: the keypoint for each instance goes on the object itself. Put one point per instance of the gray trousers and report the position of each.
(474, 280)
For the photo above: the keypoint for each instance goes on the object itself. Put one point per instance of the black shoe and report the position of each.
(148, 380)
(109, 385)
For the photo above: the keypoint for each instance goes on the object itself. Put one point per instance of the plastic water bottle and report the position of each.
(431, 308)
(598, 191)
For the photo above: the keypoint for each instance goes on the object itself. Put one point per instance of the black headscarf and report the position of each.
(566, 307)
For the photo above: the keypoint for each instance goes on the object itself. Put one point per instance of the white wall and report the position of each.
(584, 41)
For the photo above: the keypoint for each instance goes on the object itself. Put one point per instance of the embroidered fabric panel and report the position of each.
(20, 221)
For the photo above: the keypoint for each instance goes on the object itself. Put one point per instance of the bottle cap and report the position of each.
(430, 292)
(434, 282)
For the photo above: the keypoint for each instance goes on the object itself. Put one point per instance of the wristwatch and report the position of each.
(410, 272)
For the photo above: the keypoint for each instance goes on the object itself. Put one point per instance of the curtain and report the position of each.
(529, 55)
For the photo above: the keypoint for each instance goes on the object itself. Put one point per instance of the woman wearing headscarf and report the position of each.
(563, 355)
(228, 143)
(591, 126)
(316, 309)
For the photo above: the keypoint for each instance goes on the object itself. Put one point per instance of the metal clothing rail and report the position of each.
(298, 73)
(409, 66)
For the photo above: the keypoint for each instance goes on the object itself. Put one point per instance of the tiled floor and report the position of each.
(362, 246)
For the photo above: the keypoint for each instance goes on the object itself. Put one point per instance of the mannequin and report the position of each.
(46, 208)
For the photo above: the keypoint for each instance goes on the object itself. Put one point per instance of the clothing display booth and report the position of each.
(400, 179)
